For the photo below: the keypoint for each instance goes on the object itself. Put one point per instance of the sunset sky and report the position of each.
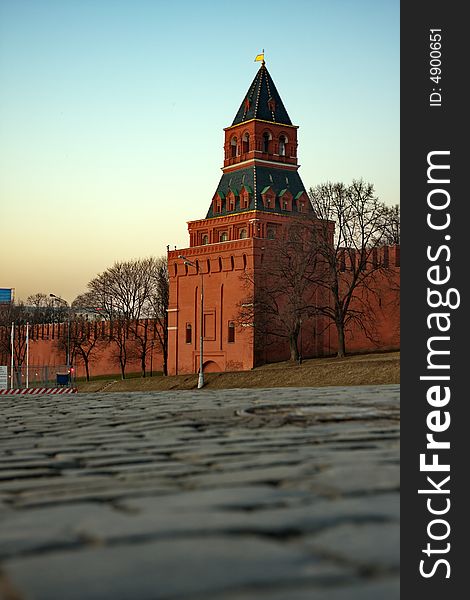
(112, 115)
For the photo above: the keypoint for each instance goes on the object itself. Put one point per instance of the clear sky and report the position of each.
(112, 115)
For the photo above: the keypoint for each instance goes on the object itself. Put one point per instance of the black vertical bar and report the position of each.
(433, 119)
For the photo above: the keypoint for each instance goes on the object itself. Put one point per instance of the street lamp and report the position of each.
(68, 329)
(200, 382)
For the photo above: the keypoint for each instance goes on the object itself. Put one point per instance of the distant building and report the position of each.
(7, 295)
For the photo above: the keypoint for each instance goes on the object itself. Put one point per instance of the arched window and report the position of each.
(242, 234)
(220, 264)
(244, 261)
(189, 333)
(232, 263)
(266, 138)
(271, 233)
(282, 145)
(233, 147)
(224, 236)
(231, 332)
(208, 265)
(205, 240)
(246, 143)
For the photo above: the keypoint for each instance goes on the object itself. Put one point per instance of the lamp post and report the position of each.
(200, 382)
(68, 329)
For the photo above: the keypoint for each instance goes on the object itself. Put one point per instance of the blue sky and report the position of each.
(112, 115)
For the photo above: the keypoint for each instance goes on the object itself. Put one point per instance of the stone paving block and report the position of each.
(159, 517)
(39, 529)
(164, 570)
(363, 476)
(261, 474)
(383, 589)
(375, 545)
(109, 492)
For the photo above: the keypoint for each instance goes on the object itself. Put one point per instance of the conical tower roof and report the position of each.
(262, 101)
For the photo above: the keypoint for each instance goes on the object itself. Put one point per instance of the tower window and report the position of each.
(271, 234)
(282, 145)
(242, 234)
(223, 236)
(246, 143)
(231, 332)
(189, 333)
(233, 146)
(266, 138)
(205, 240)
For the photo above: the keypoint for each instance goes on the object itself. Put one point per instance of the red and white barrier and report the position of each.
(38, 391)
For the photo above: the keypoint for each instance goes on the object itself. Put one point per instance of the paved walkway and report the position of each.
(274, 494)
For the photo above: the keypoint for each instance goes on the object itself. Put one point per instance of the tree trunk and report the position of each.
(341, 343)
(87, 369)
(123, 368)
(142, 364)
(294, 351)
(165, 364)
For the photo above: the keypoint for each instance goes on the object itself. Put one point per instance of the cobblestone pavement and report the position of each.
(279, 494)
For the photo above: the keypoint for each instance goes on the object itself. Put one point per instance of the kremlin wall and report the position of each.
(260, 193)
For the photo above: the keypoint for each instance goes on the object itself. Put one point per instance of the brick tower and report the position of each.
(259, 193)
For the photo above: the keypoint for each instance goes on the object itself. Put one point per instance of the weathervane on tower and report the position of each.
(260, 57)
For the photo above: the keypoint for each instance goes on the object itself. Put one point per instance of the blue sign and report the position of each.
(6, 295)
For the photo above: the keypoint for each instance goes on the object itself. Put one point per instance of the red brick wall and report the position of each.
(224, 290)
(44, 350)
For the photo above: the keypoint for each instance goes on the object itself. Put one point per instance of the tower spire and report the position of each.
(262, 100)
(260, 156)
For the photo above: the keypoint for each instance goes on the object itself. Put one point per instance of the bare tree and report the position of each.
(350, 267)
(14, 316)
(391, 225)
(40, 306)
(158, 306)
(85, 344)
(123, 295)
(284, 290)
(154, 307)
